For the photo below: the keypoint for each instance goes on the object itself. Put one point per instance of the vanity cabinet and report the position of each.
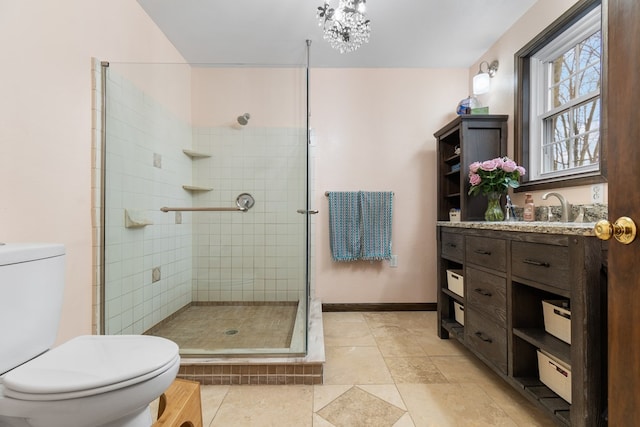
(486, 299)
(466, 139)
(508, 270)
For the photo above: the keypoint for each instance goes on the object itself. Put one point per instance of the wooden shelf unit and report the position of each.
(479, 138)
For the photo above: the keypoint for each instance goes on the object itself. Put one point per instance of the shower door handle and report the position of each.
(310, 212)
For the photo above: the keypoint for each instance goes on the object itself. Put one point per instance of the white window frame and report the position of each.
(539, 89)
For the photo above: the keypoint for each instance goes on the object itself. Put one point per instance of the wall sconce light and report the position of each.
(482, 80)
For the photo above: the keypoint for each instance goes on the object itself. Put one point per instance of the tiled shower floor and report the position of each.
(228, 326)
(302, 363)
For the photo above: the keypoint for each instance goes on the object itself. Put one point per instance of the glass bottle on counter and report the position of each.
(529, 208)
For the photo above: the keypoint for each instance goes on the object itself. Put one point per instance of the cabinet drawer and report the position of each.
(487, 252)
(452, 245)
(486, 338)
(487, 293)
(542, 263)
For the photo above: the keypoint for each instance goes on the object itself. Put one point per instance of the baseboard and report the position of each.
(396, 306)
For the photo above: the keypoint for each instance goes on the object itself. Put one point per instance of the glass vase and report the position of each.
(494, 211)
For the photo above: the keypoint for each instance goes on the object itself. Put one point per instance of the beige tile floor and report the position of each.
(382, 369)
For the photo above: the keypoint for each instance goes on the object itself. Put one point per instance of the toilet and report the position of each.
(89, 381)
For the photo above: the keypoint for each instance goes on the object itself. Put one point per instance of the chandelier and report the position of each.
(346, 27)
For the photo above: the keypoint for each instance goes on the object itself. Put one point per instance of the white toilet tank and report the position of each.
(31, 290)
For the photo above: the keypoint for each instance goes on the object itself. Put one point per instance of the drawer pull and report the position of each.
(452, 245)
(483, 292)
(561, 314)
(482, 252)
(483, 337)
(536, 263)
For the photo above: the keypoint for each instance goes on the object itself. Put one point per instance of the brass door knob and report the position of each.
(624, 230)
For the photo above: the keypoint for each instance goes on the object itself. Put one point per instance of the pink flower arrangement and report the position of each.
(494, 176)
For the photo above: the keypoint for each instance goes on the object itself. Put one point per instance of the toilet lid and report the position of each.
(91, 364)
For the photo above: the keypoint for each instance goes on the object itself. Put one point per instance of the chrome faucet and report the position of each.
(564, 205)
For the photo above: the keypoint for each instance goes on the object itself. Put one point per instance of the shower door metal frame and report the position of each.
(104, 65)
(308, 207)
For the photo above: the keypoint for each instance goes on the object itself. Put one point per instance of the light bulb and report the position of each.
(481, 83)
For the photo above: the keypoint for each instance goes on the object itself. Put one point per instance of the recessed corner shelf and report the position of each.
(195, 154)
(196, 188)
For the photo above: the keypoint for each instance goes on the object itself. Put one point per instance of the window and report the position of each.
(558, 102)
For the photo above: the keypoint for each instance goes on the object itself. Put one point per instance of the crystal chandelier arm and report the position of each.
(325, 13)
(346, 27)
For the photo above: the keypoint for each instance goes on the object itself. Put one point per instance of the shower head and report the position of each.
(244, 119)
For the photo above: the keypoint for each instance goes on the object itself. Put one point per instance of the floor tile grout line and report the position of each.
(388, 369)
(213, 418)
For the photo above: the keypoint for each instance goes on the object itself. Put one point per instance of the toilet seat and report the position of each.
(90, 365)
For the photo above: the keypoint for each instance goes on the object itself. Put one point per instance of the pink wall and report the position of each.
(374, 131)
(45, 124)
(501, 97)
(273, 96)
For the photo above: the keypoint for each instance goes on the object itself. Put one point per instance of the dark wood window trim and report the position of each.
(522, 102)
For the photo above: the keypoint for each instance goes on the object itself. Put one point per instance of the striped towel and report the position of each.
(377, 213)
(344, 225)
(360, 225)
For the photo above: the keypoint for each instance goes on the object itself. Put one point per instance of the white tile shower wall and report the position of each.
(140, 130)
(258, 255)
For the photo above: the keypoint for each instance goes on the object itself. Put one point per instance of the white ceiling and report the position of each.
(404, 33)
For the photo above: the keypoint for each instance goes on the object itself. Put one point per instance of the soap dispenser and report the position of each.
(509, 211)
(529, 208)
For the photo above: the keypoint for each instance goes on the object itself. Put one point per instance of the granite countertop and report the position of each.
(569, 228)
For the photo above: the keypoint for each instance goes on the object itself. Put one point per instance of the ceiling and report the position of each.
(404, 33)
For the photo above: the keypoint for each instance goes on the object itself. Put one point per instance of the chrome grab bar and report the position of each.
(244, 202)
(166, 209)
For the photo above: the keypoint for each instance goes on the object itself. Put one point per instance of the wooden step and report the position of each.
(180, 405)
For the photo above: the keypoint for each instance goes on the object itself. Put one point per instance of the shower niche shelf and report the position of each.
(195, 154)
(196, 188)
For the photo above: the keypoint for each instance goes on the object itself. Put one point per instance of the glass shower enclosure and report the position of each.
(206, 221)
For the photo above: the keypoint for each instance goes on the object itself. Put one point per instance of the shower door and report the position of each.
(217, 282)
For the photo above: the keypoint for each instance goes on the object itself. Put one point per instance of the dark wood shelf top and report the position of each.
(453, 295)
(540, 392)
(454, 328)
(547, 342)
(452, 159)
